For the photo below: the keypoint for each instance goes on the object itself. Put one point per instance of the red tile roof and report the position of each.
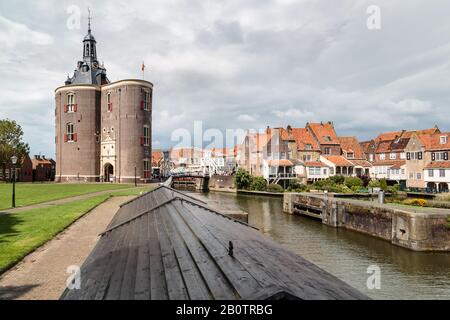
(324, 132)
(339, 161)
(389, 163)
(361, 163)
(351, 144)
(315, 164)
(439, 165)
(280, 163)
(303, 138)
(433, 142)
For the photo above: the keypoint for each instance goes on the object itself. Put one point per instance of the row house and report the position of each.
(388, 156)
(186, 159)
(266, 155)
(24, 171)
(427, 163)
(220, 160)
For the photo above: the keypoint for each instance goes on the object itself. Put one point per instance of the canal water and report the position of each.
(346, 254)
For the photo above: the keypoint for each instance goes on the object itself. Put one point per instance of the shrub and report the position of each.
(374, 184)
(275, 188)
(297, 186)
(242, 179)
(416, 202)
(365, 179)
(337, 179)
(393, 189)
(258, 184)
(383, 184)
(352, 182)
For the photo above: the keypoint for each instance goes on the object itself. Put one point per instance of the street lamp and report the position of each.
(14, 162)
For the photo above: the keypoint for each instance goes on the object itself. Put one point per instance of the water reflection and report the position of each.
(347, 254)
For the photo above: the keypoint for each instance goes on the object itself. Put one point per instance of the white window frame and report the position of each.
(70, 132)
(71, 102)
(393, 156)
(146, 135)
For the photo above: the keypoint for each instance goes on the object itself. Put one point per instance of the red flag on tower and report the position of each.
(143, 67)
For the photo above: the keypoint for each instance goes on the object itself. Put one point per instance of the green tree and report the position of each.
(242, 179)
(383, 184)
(258, 184)
(353, 182)
(11, 144)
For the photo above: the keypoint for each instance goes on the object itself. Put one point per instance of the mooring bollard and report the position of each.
(381, 197)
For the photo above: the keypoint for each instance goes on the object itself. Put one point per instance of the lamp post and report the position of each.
(14, 162)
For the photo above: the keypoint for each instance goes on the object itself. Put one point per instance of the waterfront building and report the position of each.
(388, 155)
(103, 128)
(428, 164)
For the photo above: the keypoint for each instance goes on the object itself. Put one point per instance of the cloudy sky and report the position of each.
(238, 64)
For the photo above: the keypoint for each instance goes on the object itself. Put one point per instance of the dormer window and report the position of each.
(350, 155)
(308, 146)
(327, 138)
(443, 139)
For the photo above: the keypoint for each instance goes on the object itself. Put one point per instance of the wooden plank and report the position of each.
(176, 287)
(236, 273)
(301, 277)
(195, 284)
(115, 240)
(216, 281)
(129, 276)
(158, 287)
(142, 285)
(119, 263)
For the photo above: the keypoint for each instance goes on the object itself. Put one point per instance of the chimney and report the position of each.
(289, 129)
(268, 130)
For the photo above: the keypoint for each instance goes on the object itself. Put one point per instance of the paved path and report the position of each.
(42, 274)
(59, 201)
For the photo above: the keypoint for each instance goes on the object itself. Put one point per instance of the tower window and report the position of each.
(146, 135)
(108, 101)
(70, 136)
(147, 168)
(146, 100)
(70, 106)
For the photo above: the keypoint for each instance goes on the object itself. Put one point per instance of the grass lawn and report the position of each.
(27, 193)
(22, 233)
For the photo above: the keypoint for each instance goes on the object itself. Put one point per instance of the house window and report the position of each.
(325, 172)
(431, 173)
(307, 158)
(393, 156)
(308, 146)
(146, 135)
(411, 175)
(442, 173)
(331, 171)
(419, 176)
(350, 155)
(382, 156)
(371, 157)
(443, 139)
(439, 156)
(327, 151)
(403, 155)
(70, 133)
(403, 171)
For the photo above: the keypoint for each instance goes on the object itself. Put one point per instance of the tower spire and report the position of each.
(89, 20)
